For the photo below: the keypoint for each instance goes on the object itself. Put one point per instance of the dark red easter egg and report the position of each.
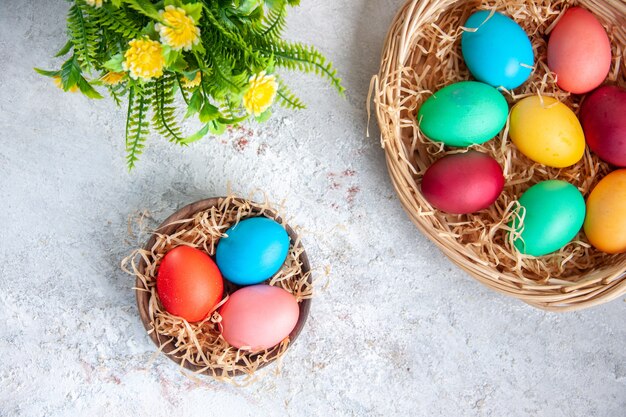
(463, 183)
(603, 118)
(189, 284)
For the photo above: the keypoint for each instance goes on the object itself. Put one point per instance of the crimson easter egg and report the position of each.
(463, 183)
(189, 284)
(603, 118)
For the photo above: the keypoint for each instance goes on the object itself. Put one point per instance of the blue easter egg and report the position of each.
(498, 52)
(252, 251)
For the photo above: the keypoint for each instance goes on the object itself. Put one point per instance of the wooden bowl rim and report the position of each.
(143, 297)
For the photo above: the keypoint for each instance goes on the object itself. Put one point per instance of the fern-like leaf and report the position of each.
(222, 80)
(164, 111)
(305, 58)
(115, 20)
(287, 98)
(83, 35)
(226, 40)
(136, 124)
(274, 22)
(116, 92)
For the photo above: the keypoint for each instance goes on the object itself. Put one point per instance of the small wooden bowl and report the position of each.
(167, 228)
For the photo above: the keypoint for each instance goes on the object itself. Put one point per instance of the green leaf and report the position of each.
(63, 51)
(116, 3)
(115, 63)
(169, 54)
(149, 31)
(275, 4)
(173, 59)
(263, 116)
(198, 135)
(194, 10)
(70, 73)
(190, 75)
(209, 113)
(179, 65)
(246, 7)
(216, 128)
(145, 7)
(48, 73)
(195, 103)
(199, 48)
(233, 120)
(87, 89)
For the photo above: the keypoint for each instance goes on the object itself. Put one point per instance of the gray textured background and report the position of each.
(399, 331)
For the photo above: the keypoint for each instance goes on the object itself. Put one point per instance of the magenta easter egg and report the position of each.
(603, 118)
(463, 183)
(258, 317)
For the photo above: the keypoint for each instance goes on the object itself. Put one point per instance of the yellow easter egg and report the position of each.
(547, 131)
(605, 222)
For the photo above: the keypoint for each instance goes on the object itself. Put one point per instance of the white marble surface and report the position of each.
(399, 331)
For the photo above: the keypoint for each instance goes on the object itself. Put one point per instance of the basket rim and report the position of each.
(166, 227)
(576, 296)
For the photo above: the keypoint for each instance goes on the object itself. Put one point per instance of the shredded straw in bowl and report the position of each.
(200, 346)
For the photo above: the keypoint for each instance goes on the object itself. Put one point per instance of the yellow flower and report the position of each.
(144, 59)
(187, 83)
(178, 30)
(59, 83)
(112, 78)
(94, 3)
(261, 93)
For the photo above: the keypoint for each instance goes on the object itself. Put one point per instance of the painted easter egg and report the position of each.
(463, 114)
(189, 284)
(463, 183)
(579, 51)
(605, 224)
(496, 50)
(553, 212)
(603, 118)
(547, 131)
(252, 251)
(258, 317)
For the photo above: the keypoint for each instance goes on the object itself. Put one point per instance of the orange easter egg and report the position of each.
(605, 222)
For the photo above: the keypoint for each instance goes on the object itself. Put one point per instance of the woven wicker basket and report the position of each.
(406, 62)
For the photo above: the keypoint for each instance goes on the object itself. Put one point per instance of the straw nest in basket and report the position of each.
(200, 347)
(422, 54)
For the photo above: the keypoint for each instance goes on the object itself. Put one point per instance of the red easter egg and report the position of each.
(579, 51)
(603, 118)
(189, 284)
(463, 183)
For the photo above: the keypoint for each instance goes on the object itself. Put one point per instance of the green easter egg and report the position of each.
(463, 114)
(554, 214)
